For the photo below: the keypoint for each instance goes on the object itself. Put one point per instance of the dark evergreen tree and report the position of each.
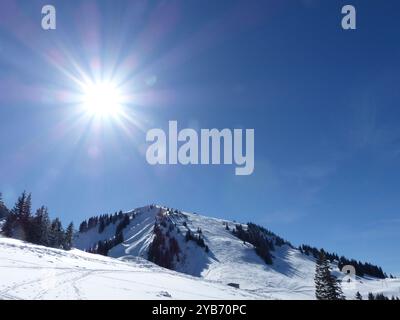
(119, 238)
(361, 268)
(68, 239)
(101, 248)
(39, 227)
(83, 227)
(56, 235)
(26, 213)
(122, 224)
(9, 225)
(188, 236)
(115, 218)
(371, 296)
(358, 296)
(3, 209)
(381, 297)
(17, 222)
(102, 225)
(326, 285)
(259, 238)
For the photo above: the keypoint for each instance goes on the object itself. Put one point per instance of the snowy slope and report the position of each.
(228, 260)
(35, 272)
(138, 234)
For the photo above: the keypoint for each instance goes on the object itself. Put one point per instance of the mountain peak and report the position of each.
(242, 255)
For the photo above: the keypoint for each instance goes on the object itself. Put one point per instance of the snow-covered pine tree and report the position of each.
(326, 285)
(336, 292)
(320, 279)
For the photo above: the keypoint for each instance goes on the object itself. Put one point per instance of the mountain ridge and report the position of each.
(208, 248)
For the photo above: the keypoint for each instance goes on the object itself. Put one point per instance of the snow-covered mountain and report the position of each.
(207, 249)
(206, 259)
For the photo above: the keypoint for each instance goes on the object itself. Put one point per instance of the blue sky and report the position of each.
(323, 103)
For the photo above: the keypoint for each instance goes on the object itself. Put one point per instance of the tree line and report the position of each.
(198, 239)
(259, 237)
(101, 221)
(164, 250)
(362, 269)
(104, 246)
(378, 296)
(36, 228)
(327, 287)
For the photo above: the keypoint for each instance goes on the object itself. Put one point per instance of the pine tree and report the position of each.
(83, 226)
(320, 279)
(17, 222)
(326, 285)
(119, 238)
(3, 209)
(9, 225)
(358, 296)
(69, 234)
(56, 234)
(27, 212)
(336, 292)
(371, 296)
(381, 296)
(39, 227)
(188, 236)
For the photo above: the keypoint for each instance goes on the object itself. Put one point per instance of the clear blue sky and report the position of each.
(324, 104)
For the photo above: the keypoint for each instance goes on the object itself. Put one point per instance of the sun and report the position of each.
(102, 99)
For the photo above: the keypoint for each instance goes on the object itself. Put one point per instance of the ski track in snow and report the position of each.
(37, 273)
